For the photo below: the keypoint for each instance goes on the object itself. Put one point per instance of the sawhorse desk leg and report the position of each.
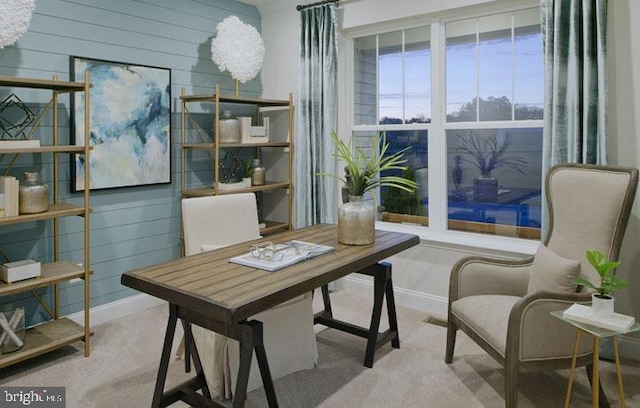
(250, 341)
(382, 287)
(185, 391)
(248, 334)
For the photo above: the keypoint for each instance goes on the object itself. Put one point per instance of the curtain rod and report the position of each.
(305, 6)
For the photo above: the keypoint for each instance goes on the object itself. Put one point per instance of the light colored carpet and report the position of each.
(122, 368)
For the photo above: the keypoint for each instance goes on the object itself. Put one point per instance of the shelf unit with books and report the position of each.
(202, 151)
(58, 331)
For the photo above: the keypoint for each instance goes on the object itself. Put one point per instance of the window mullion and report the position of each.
(377, 79)
(404, 91)
(477, 70)
(513, 68)
(437, 142)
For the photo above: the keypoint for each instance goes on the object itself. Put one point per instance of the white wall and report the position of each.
(359, 13)
(421, 274)
(281, 34)
(624, 124)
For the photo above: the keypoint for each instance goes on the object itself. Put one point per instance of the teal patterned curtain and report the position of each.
(575, 99)
(574, 34)
(316, 116)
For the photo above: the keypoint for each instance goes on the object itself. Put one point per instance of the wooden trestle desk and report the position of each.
(209, 291)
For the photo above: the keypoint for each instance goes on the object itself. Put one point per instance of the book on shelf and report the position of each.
(19, 270)
(19, 143)
(271, 257)
(9, 189)
(584, 314)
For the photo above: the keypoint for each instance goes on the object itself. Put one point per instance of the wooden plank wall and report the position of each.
(135, 226)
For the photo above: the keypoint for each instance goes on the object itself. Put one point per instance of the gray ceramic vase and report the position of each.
(356, 222)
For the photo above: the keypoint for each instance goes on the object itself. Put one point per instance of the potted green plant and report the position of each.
(402, 201)
(602, 300)
(247, 169)
(356, 219)
(488, 154)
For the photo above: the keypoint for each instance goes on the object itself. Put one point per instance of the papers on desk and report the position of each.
(583, 314)
(271, 257)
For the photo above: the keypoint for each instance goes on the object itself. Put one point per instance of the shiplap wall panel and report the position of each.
(135, 226)
(90, 32)
(71, 294)
(153, 39)
(35, 241)
(126, 24)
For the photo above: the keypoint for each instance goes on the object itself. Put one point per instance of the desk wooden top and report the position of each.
(208, 283)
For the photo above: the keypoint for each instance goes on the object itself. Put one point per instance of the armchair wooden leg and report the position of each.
(451, 341)
(511, 385)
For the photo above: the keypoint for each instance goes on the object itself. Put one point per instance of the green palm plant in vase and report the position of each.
(356, 219)
(602, 300)
(488, 154)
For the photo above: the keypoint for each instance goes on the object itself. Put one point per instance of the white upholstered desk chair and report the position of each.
(213, 222)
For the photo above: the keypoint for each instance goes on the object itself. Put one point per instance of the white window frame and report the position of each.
(437, 231)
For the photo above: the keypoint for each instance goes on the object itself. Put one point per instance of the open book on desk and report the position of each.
(272, 257)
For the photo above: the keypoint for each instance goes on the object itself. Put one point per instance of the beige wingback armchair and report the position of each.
(213, 222)
(505, 306)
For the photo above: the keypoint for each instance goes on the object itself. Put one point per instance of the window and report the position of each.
(475, 133)
(392, 78)
(393, 94)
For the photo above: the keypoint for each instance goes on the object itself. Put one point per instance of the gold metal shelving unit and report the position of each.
(194, 139)
(57, 332)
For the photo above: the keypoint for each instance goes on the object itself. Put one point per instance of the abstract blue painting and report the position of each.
(129, 124)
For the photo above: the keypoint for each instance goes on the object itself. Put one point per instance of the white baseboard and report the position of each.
(628, 347)
(117, 309)
(435, 306)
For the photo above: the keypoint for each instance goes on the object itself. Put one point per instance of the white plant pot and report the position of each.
(231, 186)
(602, 306)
